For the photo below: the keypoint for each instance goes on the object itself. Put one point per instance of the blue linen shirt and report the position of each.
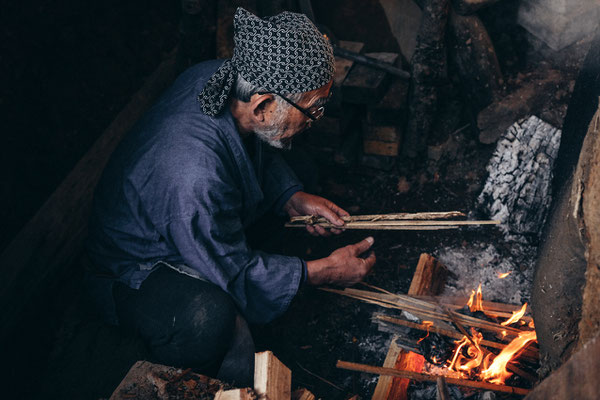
(181, 189)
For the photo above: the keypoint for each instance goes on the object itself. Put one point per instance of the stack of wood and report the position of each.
(403, 363)
(145, 380)
(368, 105)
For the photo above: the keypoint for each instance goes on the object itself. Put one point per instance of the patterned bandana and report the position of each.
(284, 53)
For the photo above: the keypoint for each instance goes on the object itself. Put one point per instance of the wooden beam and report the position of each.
(49, 243)
(272, 379)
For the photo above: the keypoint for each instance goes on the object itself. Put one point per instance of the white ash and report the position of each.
(518, 189)
(482, 263)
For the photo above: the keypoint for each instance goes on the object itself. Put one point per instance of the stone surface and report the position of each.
(558, 29)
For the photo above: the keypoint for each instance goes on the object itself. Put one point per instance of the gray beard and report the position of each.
(284, 144)
(276, 128)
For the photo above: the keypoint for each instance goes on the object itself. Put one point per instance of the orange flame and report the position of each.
(471, 358)
(497, 373)
(503, 275)
(428, 325)
(478, 306)
(516, 316)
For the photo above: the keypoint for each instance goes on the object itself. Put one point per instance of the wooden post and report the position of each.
(272, 379)
(429, 280)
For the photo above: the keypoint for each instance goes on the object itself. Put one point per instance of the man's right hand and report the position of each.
(343, 267)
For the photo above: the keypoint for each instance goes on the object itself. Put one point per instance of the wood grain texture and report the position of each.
(272, 379)
(428, 269)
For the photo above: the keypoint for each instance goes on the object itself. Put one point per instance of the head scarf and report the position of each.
(284, 53)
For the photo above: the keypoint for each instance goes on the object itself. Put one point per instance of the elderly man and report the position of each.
(167, 234)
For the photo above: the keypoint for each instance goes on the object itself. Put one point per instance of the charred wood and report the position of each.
(428, 70)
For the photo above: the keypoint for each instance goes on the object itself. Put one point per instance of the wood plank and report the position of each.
(272, 379)
(303, 394)
(428, 269)
(385, 381)
(235, 394)
(430, 277)
(49, 243)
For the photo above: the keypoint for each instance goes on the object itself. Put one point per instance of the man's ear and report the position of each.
(260, 105)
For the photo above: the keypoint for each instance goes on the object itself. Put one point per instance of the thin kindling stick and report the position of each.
(417, 376)
(420, 307)
(403, 221)
(395, 225)
(383, 217)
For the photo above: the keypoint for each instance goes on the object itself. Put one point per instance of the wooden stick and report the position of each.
(420, 307)
(395, 225)
(442, 389)
(460, 301)
(421, 377)
(529, 353)
(312, 219)
(379, 227)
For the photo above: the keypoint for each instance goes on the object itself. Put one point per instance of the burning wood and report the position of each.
(470, 360)
(428, 377)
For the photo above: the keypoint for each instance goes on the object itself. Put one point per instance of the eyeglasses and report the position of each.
(314, 113)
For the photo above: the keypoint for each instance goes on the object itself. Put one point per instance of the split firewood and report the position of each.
(302, 394)
(272, 379)
(236, 394)
(423, 377)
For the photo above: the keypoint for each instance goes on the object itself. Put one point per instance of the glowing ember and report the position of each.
(428, 324)
(503, 275)
(497, 373)
(516, 316)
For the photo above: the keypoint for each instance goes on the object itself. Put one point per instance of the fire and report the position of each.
(516, 316)
(478, 306)
(503, 275)
(428, 324)
(497, 373)
(471, 360)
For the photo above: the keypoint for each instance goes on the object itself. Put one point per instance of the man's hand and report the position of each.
(307, 204)
(343, 267)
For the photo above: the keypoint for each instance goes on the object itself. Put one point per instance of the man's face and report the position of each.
(282, 126)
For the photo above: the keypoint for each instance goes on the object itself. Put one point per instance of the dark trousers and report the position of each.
(188, 323)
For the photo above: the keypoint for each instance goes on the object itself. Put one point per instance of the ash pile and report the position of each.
(518, 194)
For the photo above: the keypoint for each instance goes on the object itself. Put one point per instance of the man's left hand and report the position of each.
(307, 204)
